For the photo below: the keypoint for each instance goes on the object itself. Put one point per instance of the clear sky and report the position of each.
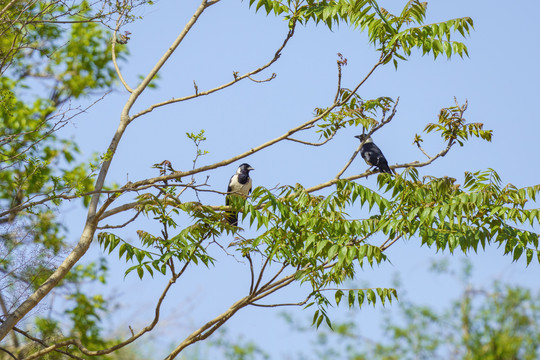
(500, 80)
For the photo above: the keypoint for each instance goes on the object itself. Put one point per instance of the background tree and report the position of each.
(491, 321)
(297, 236)
(52, 54)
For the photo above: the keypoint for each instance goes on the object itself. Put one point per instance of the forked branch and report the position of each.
(236, 79)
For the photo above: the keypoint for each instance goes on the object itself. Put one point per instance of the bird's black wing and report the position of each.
(230, 216)
(374, 157)
(383, 165)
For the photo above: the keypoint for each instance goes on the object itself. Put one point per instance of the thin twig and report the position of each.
(252, 274)
(261, 274)
(236, 79)
(113, 53)
(384, 246)
(42, 343)
(8, 352)
(284, 304)
(272, 77)
(422, 150)
(311, 143)
(122, 225)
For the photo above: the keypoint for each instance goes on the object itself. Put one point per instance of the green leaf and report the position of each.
(372, 299)
(338, 295)
(361, 296)
(352, 298)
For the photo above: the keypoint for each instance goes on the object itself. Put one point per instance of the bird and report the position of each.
(372, 155)
(239, 184)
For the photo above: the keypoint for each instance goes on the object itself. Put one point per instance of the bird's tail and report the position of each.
(385, 169)
(231, 216)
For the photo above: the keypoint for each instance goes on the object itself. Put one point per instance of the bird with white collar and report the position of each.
(240, 185)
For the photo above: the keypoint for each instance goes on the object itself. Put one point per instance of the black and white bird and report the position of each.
(372, 155)
(240, 184)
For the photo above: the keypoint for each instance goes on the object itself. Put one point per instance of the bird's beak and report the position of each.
(250, 168)
(358, 136)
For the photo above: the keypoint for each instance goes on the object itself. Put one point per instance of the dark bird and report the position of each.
(372, 155)
(240, 184)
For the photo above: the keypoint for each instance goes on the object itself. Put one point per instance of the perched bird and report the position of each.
(240, 184)
(372, 155)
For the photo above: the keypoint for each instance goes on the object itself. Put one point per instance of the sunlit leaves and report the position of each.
(453, 127)
(86, 315)
(432, 39)
(354, 111)
(394, 36)
(47, 61)
(161, 252)
(357, 297)
(448, 216)
(317, 236)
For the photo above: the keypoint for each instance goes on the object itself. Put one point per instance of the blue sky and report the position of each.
(500, 80)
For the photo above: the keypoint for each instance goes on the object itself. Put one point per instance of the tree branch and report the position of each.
(314, 144)
(113, 53)
(236, 79)
(284, 304)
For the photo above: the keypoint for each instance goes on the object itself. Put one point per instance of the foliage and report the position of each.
(491, 321)
(61, 50)
(394, 36)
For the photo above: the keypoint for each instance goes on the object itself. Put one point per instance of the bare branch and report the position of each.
(261, 273)
(422, 150)
(272, 77)
(341, 62)
(236, 79)
(42, 343)
(8, 352)
(121, 225)
(252, 274)
(210, 327)
(113, 53)
(284, 304)
(389, 243)
(311, 143)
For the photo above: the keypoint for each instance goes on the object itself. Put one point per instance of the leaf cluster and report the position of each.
(393, 35)
(452, 126)
(51, 53)
(449, 216)
(159, 252)
(354, 111)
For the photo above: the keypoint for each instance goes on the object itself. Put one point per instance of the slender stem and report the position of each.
(113, 54)
(236, 79)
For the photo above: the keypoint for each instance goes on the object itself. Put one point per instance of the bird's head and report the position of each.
(363, 137)
(244, 168)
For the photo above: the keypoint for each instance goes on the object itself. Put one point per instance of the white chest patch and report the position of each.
(241, 189)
